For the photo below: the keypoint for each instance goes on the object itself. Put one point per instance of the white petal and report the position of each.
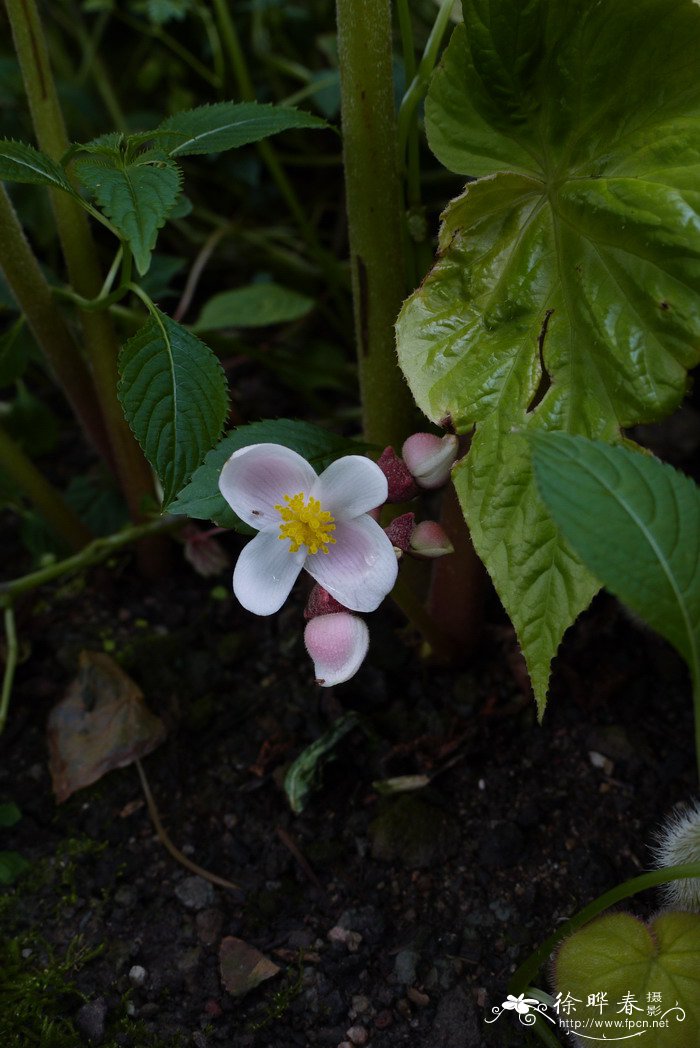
(351, 486)
(360, 569)
(265, 573)
(256, 479)
(337, 644)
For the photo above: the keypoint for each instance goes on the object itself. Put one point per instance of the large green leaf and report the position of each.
(565, 291)
(227, 125)
(635, 522)
(613, 968)
(22, 163)
(136, 195)
(174, 394)
(202, 499)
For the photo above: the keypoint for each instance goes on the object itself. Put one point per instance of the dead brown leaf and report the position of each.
(242, 966)
(101, 724)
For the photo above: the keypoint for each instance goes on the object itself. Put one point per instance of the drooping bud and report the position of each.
(337, 645)
(430, 458)
(206, 555)
(401, 484)
(679, 843)
(429, 539)
(400, 530)
(320, 602)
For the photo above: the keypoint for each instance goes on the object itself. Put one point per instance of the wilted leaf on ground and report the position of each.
(242, 966)
(304, 775)
(101, 724)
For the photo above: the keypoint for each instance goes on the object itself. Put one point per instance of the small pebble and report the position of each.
(195, 893)
(137, 975)
(357, 1035)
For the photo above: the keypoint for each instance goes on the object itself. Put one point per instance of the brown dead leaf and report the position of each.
(101, 724)
(242, 966)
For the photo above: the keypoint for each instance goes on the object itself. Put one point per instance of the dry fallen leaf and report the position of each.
(242, 966)
(101, 724)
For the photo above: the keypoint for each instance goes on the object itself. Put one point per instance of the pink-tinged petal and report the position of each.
(337, 644)
(350, 486)
(360, 569)
(429, 539)
(265, 573)
(256, 479)
(430, 458)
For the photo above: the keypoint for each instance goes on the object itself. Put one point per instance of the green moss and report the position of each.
(277, 1003)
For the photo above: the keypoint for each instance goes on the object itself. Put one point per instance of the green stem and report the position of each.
(419, 84)
(48, 500)
(79, 251)
(528, 970)
(375, 212)
(405, 598)
(34, 297)
(11, 655)
(94, 553)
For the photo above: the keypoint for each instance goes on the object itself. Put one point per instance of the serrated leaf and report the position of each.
(635, 522)
(202, 499)
(136, 196)
(304, 775)
(257, 305)
(174, 394)
(227, 125)
(625, 960)
(20, 162)
(565, 292)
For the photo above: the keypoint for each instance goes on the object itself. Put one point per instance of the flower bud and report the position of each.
(400, 530)
(401, 484)
(429, 539)
(206, 555)
(679, 843)
(337, 644)
(430, 458)
(320, 602)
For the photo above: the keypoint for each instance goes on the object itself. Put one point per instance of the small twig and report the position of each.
(289, 842)
(11, 654)
(198, 267)
(167, 843)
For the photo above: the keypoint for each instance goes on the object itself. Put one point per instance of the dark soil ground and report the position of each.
(395, 921)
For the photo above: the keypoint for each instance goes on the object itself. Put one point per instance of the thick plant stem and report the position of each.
(373, 199)
(33, 294)
(457, 587)
(57, 513)
(79, 251)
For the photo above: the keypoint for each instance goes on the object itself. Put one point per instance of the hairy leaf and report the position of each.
(23, 163)
(635, 523)
(254, 306)
(202, 499)
(564, 296)
(227, 125)
(174, 394)
(625, 959)
(135, 195)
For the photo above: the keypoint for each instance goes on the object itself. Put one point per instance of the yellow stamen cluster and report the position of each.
(306, 524)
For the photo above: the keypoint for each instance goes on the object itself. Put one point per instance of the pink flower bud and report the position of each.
(400, 530)
(207, 556)
(401, 484)
(337, 644)
(430, 458)
(429, 539)
(320, 602)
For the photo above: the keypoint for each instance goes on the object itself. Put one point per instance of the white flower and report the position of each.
(520, 1004)
(319, 523)
(337, 644)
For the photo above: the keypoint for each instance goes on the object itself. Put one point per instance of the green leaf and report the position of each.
(227, 125)
(202, 499)
(564, 296)
(174, 394)
(14, 353)
(22, 163)
(635, 522)
(257, 305)
(304, 775)
(11, 866)
(623, 958)
(9, 814)
(136, 195)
